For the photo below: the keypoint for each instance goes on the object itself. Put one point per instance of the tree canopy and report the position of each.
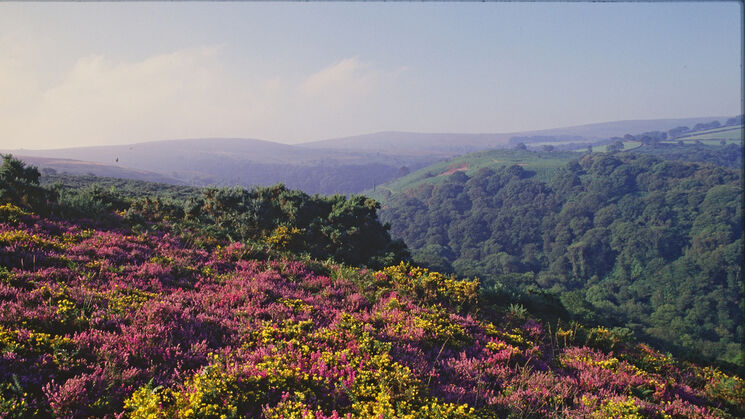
(652, 245)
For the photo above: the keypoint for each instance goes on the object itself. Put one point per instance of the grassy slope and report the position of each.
(728, 133)
(113, 170)
(543, 163)
(627, 146)
(129, 187)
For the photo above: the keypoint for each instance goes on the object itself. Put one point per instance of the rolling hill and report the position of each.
(227, 162)
(733, 134)
(608, 234)
(542, 163)
(343, 165)
(459, 143)
(79, 167)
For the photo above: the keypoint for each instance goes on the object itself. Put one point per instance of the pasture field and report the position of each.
(733, 134)
(541, 162)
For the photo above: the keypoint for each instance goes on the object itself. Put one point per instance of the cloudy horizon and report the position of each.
(75, 74)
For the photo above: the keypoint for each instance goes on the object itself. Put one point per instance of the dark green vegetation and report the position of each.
(322, 227)
(626, 240)
(705, 142)
(126, 187)
(728, 155)
(19, 184)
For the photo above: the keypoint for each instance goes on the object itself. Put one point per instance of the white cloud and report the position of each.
(186, 93)
(19, 88)
(346, 78)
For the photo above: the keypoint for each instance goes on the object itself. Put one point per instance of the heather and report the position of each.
(272, 303)
(108, 322)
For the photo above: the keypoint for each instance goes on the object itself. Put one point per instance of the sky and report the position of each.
(78, 74)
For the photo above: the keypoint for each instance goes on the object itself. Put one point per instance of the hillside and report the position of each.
(609, 237)
(729, 155)
(718, 146)
(103, 322)
(345, 165)
(131, 188)
(541, 163)
(413, 143)
(229, 162)
(79, 167)
(406, 143)
(733, 134)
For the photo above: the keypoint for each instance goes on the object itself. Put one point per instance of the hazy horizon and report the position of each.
(713, 117)
(82, 74)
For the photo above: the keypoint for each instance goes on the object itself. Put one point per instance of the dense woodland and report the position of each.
(728, 155)
(626, 240)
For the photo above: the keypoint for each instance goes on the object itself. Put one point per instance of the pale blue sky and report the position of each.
(108, 73)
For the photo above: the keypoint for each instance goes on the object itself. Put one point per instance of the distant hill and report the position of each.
(79, 167)
(413, 143)
(186, 154)
(410, 143)
(619, 128)
(733, 133)
(343, 165)
(246, 162)
(543, 164)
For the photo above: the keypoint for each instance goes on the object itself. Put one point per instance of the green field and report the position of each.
(732, 134)
(543, 163)
(627, 145)
(708, 141)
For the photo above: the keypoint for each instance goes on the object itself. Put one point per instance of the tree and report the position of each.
(677, 131)
(652, 137)
(705, 126)
(737, 120)
(615, 147)
(19, 184)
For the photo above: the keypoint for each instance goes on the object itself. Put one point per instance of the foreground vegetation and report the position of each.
(96, 322)
(137, 312)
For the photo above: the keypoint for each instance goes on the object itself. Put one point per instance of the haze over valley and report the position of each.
(341, 165)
